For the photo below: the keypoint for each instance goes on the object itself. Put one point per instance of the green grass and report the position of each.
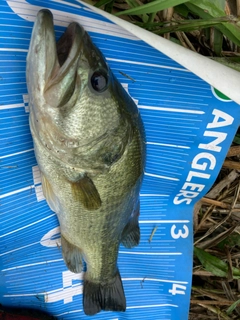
(209, 27)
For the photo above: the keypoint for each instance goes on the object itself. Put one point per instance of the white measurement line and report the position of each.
(140, 45)
(9, 95)
(12, 83)
(11, 175)
(156, 165)
(28, 225)
(16, 153)
(153, 253)
(164, 221)
(16, 146)
(185, 86)
(23, 295)
(160, 177)
(21, 118)
(153, 195)
(167, 150)
(172, 102)
(156, 132)
(68, 4)
(26, 204)
(169, 171)
(192, 101)
(171, 109)
(175, 159)
(175, 94)
(156, 205)
(29, 245)
(154, 306)
(32, 264)
(68, 312)
(18, 136)
(147, 64)
(201, 85)
(172, 125)
(20, 128)
(170, 117)
(12, 106)
(169, 133)
(14, 49)
(19, 28)
(16, 191)
(155, 279)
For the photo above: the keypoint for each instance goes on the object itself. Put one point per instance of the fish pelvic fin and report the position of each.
(49, 194)
(108, 297)
(85, 191)
(131, 232)
(72, 256)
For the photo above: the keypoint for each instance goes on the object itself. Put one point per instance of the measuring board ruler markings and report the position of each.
(188, 131)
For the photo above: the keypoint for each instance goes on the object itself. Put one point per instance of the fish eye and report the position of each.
(99, 80)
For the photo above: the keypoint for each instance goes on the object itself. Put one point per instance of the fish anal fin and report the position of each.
(85, 191)
(49, 194)
(131, 232)
(108, 297)
(72, 256)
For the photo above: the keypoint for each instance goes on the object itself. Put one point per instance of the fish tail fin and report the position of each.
(108, 297)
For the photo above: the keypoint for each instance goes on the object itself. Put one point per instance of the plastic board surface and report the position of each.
(189, 129)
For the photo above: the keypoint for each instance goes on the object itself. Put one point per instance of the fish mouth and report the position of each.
(69, 43)
(53, 66)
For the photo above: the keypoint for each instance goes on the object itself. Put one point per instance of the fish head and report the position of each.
(78, 109)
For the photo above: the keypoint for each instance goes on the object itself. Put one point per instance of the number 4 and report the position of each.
(175, 288)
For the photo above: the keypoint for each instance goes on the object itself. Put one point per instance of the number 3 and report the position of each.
(180, 234)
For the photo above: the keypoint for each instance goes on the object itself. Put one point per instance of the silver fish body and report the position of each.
(89, 145)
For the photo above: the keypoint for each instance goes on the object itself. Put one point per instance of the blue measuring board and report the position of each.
(189, 128)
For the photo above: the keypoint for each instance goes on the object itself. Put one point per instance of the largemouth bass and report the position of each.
(89, 145)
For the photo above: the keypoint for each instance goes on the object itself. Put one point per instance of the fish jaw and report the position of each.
(42, 56)
(52, 77)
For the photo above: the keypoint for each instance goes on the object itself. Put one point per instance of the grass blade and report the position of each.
(207, 9)
(101, 3)
(233, 306)
(186, 26)
(136, 4)
(214, 265)
(152, 7)
(217, 42)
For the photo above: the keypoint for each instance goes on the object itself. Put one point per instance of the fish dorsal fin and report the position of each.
(86, 192)
(49, 194)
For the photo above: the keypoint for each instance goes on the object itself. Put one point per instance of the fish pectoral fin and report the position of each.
(108, 297)
(72, 256)
(131, 232)
(85, 191)
(49, 194)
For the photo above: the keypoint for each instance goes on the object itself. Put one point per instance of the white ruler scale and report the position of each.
(189, 129)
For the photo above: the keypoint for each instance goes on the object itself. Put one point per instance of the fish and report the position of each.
(89, 144)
